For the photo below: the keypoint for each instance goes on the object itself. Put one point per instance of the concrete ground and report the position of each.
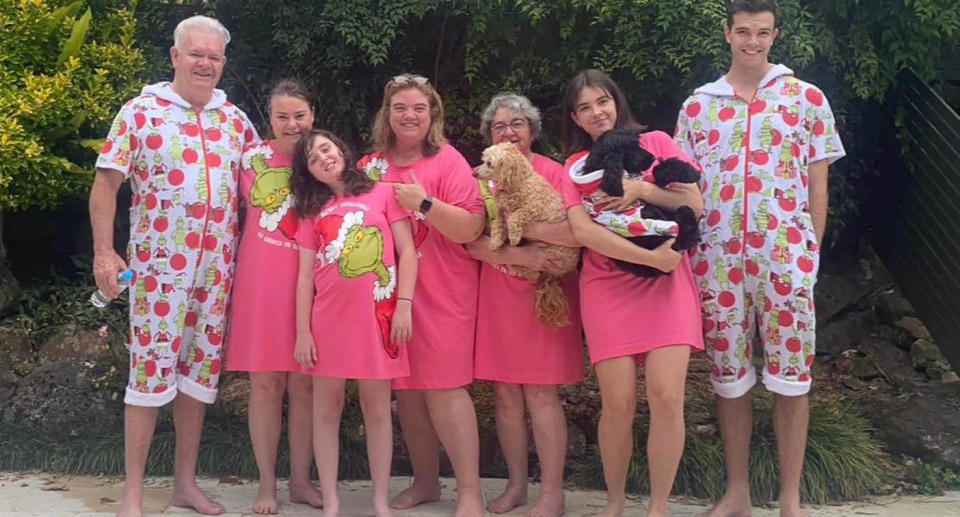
(48, 495)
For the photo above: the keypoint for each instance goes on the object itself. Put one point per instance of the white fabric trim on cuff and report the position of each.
(196, 391)
(786, 388)
(737, 388)
(141, 399)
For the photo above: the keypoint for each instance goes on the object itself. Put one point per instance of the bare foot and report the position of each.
(470, 505)
(130, 509)
(613, 509)
(266, 503)
(331, 507)
(730, 505)
(549, 504)
(512, 497)
(794, 511)
(305, 493)
(190, 496)
(415, 495)
(382, 509)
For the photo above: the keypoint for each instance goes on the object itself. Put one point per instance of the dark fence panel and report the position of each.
(919, 241)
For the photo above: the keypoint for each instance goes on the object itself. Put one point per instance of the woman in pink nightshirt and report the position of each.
(354, 302)
(262, 332)
(526, 358)
(630, 319)
(435, 185)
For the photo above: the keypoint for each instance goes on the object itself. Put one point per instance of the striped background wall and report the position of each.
(920, 241)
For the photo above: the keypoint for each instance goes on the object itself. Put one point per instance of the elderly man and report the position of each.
(179, 143)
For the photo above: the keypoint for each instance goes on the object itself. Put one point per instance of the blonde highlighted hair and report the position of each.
(383, 137)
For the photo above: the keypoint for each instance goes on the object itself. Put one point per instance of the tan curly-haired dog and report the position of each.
(525, 197)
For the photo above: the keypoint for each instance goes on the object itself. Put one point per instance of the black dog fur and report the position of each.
(619, 154)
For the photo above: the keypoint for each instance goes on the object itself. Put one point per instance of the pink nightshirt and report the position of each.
(445, 305)
(513, 344)
(625, 314)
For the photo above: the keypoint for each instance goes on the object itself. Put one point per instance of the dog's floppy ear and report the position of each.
(612, 182)
(512, 165)
(675, 170)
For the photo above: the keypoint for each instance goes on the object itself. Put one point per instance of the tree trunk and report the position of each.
(9, 288)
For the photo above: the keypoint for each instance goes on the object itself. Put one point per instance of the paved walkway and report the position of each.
(47, 495)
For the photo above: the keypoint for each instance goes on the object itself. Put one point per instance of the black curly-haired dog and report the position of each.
(618, 153)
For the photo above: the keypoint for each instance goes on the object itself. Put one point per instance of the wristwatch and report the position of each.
(425, 205)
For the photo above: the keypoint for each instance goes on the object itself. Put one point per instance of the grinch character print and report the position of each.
(271, 191)
(358, 250)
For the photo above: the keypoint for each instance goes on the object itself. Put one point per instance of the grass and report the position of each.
(224, 450)
(843, 460)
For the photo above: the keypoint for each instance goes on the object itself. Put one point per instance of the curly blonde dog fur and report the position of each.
(525, 197)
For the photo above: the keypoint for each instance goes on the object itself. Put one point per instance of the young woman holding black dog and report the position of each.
(629, 319)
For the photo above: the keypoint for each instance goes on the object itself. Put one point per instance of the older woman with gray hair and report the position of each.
(526, 359)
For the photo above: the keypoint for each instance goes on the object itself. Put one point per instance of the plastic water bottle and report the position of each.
(100, 300)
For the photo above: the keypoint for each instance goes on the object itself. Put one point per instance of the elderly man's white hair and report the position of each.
(200, 22)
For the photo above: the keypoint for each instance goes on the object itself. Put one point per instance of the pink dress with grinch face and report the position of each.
(355, 282)
(445, 305)
(263, 330)
(513, 343)
(625, 314)
(183, 165)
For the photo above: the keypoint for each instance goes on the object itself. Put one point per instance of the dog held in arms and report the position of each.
(616, 155)
(523, 197)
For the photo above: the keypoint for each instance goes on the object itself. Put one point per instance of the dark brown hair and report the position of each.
(382, 135)
(310, 194)
(575, 139)
(753, 7)
(290, 88)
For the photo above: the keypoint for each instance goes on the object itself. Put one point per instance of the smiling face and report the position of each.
(409, 116)
(290, 117)
(325, 163)
(751, 35)
(198, 61)
(510, 126)
(595, 111)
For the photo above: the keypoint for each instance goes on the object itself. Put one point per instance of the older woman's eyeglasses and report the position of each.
(410, 79)
(516, 125)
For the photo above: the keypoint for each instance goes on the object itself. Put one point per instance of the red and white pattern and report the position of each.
(757, 262)
(183, 165)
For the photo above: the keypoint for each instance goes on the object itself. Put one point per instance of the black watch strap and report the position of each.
(426, 205)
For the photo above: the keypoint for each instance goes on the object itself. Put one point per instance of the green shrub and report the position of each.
(64, 70)
(843, 460)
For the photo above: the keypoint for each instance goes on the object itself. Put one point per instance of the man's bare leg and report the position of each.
(736, 426)
(138, 426)
(188, 415)
(791, 419)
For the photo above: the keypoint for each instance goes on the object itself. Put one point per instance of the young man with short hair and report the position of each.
(764, 140)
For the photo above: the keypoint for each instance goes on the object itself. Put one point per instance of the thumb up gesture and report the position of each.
(410, 195)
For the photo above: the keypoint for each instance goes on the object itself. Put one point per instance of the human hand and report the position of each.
(534, 256)
(410, 195)
(106, 265)
(305, 351)
(665, 258)
(401, 325)
(633, 190)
